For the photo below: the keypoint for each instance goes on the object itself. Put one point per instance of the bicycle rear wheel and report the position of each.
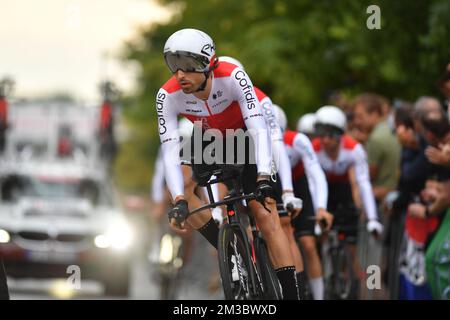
(271, 285)
(234, 265)
(342, 284)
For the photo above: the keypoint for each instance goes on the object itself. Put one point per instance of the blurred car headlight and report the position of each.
(102, 241)
(119, 236)
(61, 290)
(4, 236)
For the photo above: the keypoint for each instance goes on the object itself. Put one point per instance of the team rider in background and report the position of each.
(310, 183)
(337, 153)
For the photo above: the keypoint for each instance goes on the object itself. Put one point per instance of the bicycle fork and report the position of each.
(253, 276)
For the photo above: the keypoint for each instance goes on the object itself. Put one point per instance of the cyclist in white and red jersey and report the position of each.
(282, 181)
(280, 157)
(337, 153)
(219, 96)
(311, 185)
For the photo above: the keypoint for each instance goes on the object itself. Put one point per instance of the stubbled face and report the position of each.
(189, 81)
(363, 120)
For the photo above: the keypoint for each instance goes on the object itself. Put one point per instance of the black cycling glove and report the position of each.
(179, 212)
(264, 189)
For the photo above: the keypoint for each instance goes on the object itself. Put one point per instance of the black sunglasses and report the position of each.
(324, 130)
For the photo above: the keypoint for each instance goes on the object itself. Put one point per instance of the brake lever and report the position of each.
(290, 207)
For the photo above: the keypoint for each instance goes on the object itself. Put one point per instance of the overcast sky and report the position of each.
(59, 45)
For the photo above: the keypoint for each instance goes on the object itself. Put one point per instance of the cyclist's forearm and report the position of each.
(172, 167)
(263, 149)
(283, 164)
(364, 185)
(158, 181)
(317, 181)
(368, 199)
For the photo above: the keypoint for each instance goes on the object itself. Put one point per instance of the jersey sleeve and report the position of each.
(271, 121)
(254, 119)
(279, 153)
(170, 143)
(317, 181)
(363, 181)
(158, 181)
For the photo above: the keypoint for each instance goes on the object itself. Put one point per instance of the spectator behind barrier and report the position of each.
(383, 149)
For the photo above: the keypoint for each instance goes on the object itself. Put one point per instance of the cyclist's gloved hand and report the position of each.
(324, 218)
(375, 227)
(291, 203)
(264, 189)
(179, 212)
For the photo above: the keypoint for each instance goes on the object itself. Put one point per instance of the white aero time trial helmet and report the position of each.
(280, 115)
(330, 120)
(231, 60)
(190, 50)
(306, 123)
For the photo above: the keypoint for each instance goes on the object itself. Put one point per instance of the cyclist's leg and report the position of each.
(277, 242)
(304, 231)
(351, 237)
(350, 219)
(295, 251)
(203, 221)
(314, 266)
(278, 246)
(286, 221)
(289, 232)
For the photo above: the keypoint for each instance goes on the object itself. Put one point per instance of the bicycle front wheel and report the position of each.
(342, 282)
(234, 264)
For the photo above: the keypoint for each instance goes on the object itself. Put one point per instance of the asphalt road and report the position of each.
(199, 280)
(194, 284)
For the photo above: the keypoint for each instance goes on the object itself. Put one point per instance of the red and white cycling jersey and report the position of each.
(304, 160)
(351, 153)
(232, 104)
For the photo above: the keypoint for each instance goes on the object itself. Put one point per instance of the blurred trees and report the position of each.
(299, 52)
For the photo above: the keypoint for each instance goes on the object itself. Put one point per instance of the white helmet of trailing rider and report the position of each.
(331, 116)
(190, 50)
(231, 60)
(280, 116)
(306, 123)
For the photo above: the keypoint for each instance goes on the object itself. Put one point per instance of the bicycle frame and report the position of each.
(235, 209)
(337, 244)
